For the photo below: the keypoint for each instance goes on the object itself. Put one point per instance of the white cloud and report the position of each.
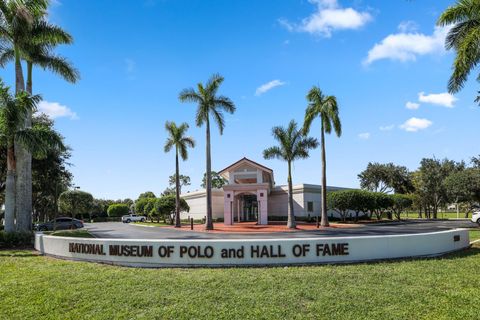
(442, 99)
(56, 110)
(330, 16)
(364, 135)
(412, 105)
(416, 124)
(407, 26)
(387, 128)
(407, 45)
(268, 86)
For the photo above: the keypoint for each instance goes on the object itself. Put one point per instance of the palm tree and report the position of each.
(209, 103)
(464, 38)
(176, 138)
(39, 140)
(32, 39)
(325, 108)
(293, 145)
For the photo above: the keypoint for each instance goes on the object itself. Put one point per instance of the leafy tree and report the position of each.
(118, 210)
(76, 203)
(339, 201)
(39, 140)
(401, 202)
(209, 104)
(178, 139)
(217, 180)
(184, 181)
(50, 176)
(463, 187)
(325, 108)
(148, 194)
(292, 145)
(165, 206)
(141, 203)
(386, 178)
(464, 38)
(429, 183)
(382, 203)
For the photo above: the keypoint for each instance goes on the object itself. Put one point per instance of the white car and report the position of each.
(476, 217)
(133, 218)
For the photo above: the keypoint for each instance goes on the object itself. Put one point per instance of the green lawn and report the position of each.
(35, 287)
(441, 215)
(474, 235)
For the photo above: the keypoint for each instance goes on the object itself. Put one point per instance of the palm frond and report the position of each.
(7, 55)
(219, 119)
(272, 153)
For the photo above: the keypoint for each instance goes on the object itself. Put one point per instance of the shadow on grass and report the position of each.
(16, 253)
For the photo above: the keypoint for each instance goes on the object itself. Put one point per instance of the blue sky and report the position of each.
(376, 57)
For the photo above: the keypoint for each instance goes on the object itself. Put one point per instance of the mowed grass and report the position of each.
(36, 287)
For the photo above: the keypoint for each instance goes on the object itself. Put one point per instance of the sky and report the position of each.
(384, 61)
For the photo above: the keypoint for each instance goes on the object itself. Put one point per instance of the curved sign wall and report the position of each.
(218, 252)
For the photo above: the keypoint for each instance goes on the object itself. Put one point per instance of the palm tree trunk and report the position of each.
(10, 191)
(324, 220)
(177, 192)
(209, 222)
(291, 214)
(24, 172)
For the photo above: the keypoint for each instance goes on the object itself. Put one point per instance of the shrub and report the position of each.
(400, 202)
(15, 239)
(117, 210)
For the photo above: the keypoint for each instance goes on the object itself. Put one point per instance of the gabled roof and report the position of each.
(244, 159)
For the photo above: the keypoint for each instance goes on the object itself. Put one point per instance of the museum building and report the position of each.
(251, 196)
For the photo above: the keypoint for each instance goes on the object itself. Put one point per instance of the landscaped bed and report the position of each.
(438, 288)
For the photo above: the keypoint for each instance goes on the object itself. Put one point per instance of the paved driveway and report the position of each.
(130, 231)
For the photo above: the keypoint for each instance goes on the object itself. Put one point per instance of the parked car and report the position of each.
(476, 217)
(62, 223)
(133, 218)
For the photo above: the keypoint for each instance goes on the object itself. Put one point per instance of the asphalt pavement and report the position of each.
(121, 230)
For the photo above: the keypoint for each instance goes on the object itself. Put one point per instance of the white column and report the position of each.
(262, 198)
(227, 208)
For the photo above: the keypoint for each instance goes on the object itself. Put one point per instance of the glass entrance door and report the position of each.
(250, 208)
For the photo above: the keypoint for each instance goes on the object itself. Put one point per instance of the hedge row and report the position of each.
(369, 203)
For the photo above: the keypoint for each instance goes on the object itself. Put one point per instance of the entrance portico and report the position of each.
(247, 191)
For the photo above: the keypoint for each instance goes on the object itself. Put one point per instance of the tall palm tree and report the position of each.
(293, 145)
(325, 108)
(38, 140)
(464, 38)
(178, 140)
(209, 104)
(32, 39)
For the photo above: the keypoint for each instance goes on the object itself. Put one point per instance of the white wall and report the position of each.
(363, 248)
(197, 201)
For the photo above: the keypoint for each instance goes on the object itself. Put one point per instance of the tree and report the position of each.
(31, 38)
(177, 139)
(172, 181)
(430, 185)
(382, 202)
(463, 187)
(401, 202)
(142, 203)
(209, 104)
(293, 145)
(148, 194)
(166, 206)
(118, 210)
(386, 178)
(325, 108)
(217, 180)
(339, 201)
(39, 140)
(464, 38)
(76, 203)
(50, 176)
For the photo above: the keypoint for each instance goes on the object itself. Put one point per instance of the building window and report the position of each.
(261, 194)
(228, 195)
(310, 206)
